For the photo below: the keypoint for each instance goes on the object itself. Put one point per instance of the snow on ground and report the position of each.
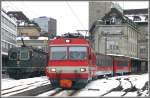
(93, 89)
(8, 82)
(101, 86)
(11, 85)
(98, 87)
(140, 81)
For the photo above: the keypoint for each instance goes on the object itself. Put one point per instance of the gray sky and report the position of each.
(70, 16)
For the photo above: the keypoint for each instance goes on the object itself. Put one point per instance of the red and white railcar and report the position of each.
(71, 64)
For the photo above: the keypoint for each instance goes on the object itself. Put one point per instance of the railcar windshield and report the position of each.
(78, 53)
(58, 53)
(24, 54)
(13, 56)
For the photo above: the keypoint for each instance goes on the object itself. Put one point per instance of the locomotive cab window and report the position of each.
(58, 53)
(13, 56)
(24, 54)
(78, 53)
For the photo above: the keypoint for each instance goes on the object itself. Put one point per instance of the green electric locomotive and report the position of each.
(26, 61)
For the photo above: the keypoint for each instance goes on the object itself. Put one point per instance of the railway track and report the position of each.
(20, 85)
(35, 91)
(123, 87)
(122, 91)
(20, 90)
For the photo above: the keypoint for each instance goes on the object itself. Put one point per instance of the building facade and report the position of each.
(8, 35)
(48, 26)
(115, 34)
(24, 25)
(28, 30)
(140, 17)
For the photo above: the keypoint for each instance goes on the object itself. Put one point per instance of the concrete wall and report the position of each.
(143, 41)
(121, 39)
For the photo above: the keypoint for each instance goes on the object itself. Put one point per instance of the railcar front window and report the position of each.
(58, 53)
(78, 53)
(24, 54)
(13, 56)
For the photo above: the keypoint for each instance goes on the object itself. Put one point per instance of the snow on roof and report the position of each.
(116, 54)
(24, 38)
(28, 38)
(43, 38)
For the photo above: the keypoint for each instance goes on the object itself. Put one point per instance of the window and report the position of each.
(143, 49)
(136, 18)
(123, 63)
(78, 53)
(13, 56)
(58, 53)
(6, 45)
(24, 54)
(146, 18)
(113, 19)
(3, 44)
(10, 46)
(117, 47)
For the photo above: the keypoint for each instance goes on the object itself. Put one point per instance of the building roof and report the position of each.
(120, 55)
(135, 11)
(19, 15)
(119, 14)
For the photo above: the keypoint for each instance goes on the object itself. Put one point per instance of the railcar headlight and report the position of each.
(67, 41)
(82, 69)
(53, 69)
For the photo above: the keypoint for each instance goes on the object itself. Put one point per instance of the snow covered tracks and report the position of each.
(25, 87)
(128, 86)
(30, 89)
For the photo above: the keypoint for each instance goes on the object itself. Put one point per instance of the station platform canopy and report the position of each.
(120, 55)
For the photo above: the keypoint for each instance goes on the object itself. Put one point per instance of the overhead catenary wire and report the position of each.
(9, 6)
(25, 9)
(32, 12)
(76, 16)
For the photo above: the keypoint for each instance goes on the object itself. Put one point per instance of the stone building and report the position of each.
(140, 17)
(115, 34)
